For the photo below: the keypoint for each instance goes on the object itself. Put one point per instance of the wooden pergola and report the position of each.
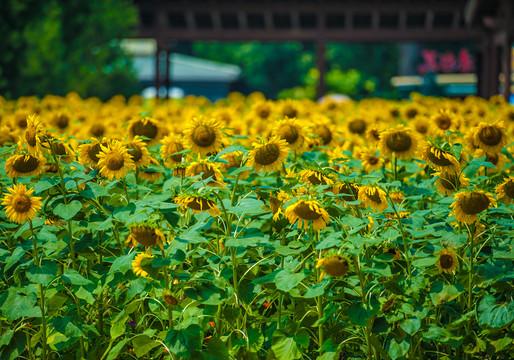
(485, 22)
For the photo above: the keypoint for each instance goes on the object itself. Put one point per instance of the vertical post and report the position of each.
(167, 80)
(157, 79)
(321, 65)
(507, 66)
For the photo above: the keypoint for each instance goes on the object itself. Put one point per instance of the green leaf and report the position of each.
(284, 346)
(143, 344)
(206, 293)
(123, 214)
(65, 325)
(494, 314)
(256, 339)
(46, 183)
(20, 305)
(113, 354)
(442, 293)
(411, 326)
(317, 290)
(216, 349)
(73, 277)
(43, 274)
(68, 211)
(94, 191)
(182, 341)
(360, 315)
(443, 336)
(286, 281)
(6, 338)
(397, 350)
(83, 294)
(122, 264)
(15, 257)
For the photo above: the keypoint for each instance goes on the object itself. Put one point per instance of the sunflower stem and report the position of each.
(470, 275)
(364, 303)
(43, 321)
(34, 243)
(406, 249)
(126, 190)
(395, 167)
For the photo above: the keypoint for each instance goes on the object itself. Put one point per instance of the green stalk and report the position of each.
(470, 275)
(395, 167)
(406, 249)
(364, 303)
(43, 320)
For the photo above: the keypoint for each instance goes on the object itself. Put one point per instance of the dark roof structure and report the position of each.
(485, 22)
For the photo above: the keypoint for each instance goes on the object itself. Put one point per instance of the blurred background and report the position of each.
(293, 49)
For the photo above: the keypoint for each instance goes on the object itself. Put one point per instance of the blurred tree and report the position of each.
(60, 46)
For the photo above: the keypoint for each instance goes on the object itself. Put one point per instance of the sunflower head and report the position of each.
(395, 253)
(440, 159)
(169, 298)
(146, 235)
(203, 136)
(33, 134)
(467, 205)
(315, 177)
(139, 263)
(198, 203)
(138, 151)
(294, 133)
(20, 205)
(147, 127)
(206, 169)
(402, 142)
(88, 152)
(449, 182)
(269, 155)
(171, 145)
(447, 262)
(24, 165)
(305, 211)
(114, 160)
(505, 190)
(334, 265)
(490, 137)
(374, 197)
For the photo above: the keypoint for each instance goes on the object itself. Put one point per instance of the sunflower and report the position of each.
(490, 138)
(171, 145)
(203, 136)
(114, 160)
(33, 134)
(262, 110)
(323, 132)
(467, 205)
(402, 142)
(444, 120)
(234, 160)
(198, 203)
(138, 151)
(145, 235)
(410, 111)
(505, 191)
(396, 254)
(290, 130)
(334, 265)
(7, 135)
(370, 159)
(137, 266)
(88, 153)
(149, 173)
(147, 127)
(374, 197)
(397, 197)
(171, 300)
(305, 211)
(439, 159)
(346, 191)
(447, 261)
(289, 108)
(207, 169)
(62, 149)
(20, 205)
(450, 182)
(268, 156)
(315, 177)
(24, 165)
(373, 134)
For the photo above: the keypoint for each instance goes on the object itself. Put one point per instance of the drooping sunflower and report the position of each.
(235, 160)
(147, 127)
(88, 152)
(137, 267)
(374, 197)
(149, 172)
(114, 160)
(268, 156)
(447, 261)
(490, 137)
(171, 145)
(138, 150)
(505, 191)
(333, 265)
(207, 169)
(171, 300)
(402, 142)
(61, 148)
(293, 132)
(198, 203)
(276, 201)
(370, 159)
(24, 165)
(315, 177)
(346, 191)
(373, 135)
(305, 211)
(467, 205)
(395, 253)
(20, 205)
(145, 235)
(450, 182)
(33, 134)
(439, 159)
(203, 136)
(397, 196)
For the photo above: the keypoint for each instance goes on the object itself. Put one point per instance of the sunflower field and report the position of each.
(256, 229)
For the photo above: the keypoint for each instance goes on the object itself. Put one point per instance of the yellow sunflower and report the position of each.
(262, 110)
(268, 156)
(439, 159)
(171, 300)
(198, 203)
(323, 132)
(467, 205)
(490, 137)
(146, 235)
(315, 177)
(114, 160)
(447, 261)
(334, 265)
(24, 165)
(305, 211)
(88, 153)
(20, 205)
(147, 127)
(171, 145)
(62, 149)
(33, 134)
(346, 191)
(374, 197)
(450, 182)
(207, 169)
(7, 135)
(505, 191)
(357, 126)
(294, 133)
(149, 173)
(373, 135)
(370, 159)
(235, 160)
(137, 267)
(138, 151)
(203, 136)
(402, 142)
(444, 120)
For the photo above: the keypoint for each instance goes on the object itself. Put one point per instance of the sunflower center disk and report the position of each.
(21, 203)
(446, 261)
(204, 136)
(509, 189)
(349, 194)
(335, 266)
(373, 160)
(324, 134)
(135, 152)
(314, 180)
(358, 126)
(26, 165)
(59, 149)
(474, 203)
(263, 113)
(440, 160)
(443, 123)
(289, 133)
(144, 235)
(62, 121)
(490, 135)
(267, 154)
(149, 130)
(199, 204)
(449, 181)
(92, 151)
(289, 111)
(115, 162)
(374, 196)
(97, 130)
(492, 158)
(30, 136)
(176, 148)
(305, 212)
(399, 142)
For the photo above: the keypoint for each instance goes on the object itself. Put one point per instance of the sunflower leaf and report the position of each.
(493, 313)
(67, 211)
